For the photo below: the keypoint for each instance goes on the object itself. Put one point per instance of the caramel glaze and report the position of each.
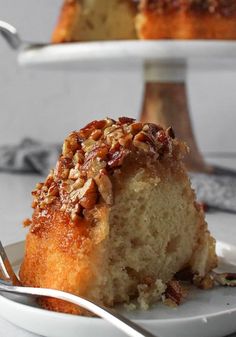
(225, 8)
(81, 181)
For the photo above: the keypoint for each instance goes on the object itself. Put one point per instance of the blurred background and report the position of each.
(47, 105)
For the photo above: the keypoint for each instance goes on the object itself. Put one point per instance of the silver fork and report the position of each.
(14, 40)
(10, 283)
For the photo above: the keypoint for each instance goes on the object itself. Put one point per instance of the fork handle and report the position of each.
(10, 34)
(127, 326)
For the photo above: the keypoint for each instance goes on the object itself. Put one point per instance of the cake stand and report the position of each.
(164, 65)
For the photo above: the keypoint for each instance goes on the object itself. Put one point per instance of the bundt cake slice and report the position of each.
(187, 19)
(94, 20)
(117, 218)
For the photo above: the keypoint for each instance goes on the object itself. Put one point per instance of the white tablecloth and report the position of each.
(15, 200)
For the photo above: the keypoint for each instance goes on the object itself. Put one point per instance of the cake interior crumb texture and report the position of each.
(154, 225)
(96, 20)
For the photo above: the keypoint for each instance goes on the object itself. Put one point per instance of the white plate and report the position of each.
(206, 313)
(119, 53)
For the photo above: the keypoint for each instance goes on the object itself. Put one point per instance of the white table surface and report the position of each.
(15, 200)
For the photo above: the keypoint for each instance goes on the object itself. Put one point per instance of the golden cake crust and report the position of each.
(67, 20)
(185, 19)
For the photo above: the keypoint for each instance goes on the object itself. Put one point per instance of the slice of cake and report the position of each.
(117, 218)
(93, 20)
(187, 19)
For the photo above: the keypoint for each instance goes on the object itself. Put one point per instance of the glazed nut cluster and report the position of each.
(82, 177)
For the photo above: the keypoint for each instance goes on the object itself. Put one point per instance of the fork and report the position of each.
(10, 283)
(14, 40)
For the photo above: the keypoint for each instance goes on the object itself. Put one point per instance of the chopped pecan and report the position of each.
(88, 144)
(74, 196)
(117, 158)
(74, 173)
(66, 149)
(98, 151)
(38, 186)
(114, 136)
(170, 132)
(89, 128)
(88, 194)
(27, 222)
(144, 142)
(74, 141)
(152, 128)
(96, 134)
(114, 148)
(49, 180)
(111, 129)
(53, 190)
(109, 122)
(78, 184)
(63, 168)
(104, 186)
(63, 208)
(136, 128)
(126, 120)
(162, 137)
(78, 157)
(45, 188)
(48, 200)
(126, 140)
(225, 279)
(175, 292)
(96, 165)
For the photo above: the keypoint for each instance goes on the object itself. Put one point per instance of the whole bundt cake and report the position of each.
(91, 20)
(117, 219)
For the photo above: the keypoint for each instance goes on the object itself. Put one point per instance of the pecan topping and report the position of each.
(126, 120)
(88, 194)
(27, 222)
(89, 128)
(117, 158)
(53, 190)
(83, 174)
(170, 133)
(225, 279)
(175, 292)
(104, 186)
(136, 128)
(63, 168)
(144, 141)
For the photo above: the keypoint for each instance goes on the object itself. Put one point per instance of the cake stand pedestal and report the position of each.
(165, 64)
(166, 103)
